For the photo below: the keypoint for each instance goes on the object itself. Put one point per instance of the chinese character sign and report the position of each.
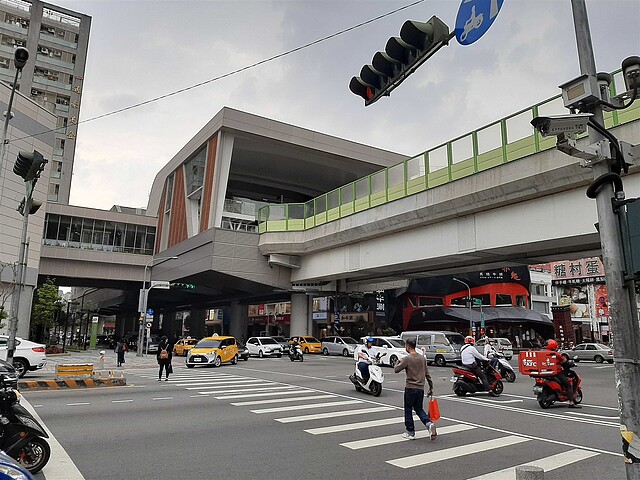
(570, 271)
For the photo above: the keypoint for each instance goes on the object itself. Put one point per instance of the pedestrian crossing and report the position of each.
(338, 416)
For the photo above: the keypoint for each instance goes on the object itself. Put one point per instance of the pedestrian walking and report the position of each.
(164, 356)
(121, 349)
(415, 366)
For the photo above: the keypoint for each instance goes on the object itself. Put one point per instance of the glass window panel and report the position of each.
(554, 107)
(194, 171)
(362, 188)
(51, 231)
(396, 174)
(98, 233)
(321, 204)
(489, 138)
(75, 230)
(277, 212)
(462, 149)
(309, 209)
(378, 181)
(129, 238)
(87, 232)
(415, 167)
(346, 193)
(333, 199)
(118, 235)
(150, 240)
(139, 246)
(296, 211)
(438, 159)
(109, 229)
(519, 126)
(167, 207)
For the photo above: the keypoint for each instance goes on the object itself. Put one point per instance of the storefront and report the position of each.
(269, 319)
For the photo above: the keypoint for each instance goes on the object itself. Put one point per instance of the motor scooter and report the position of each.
(549, 390)
(21, 436)
(295, 353)
(374, 383)
(466, 381)
(504, 367)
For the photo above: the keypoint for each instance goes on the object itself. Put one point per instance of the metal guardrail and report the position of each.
(508, 139)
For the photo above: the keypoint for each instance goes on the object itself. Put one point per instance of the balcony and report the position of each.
(52, 83)
(58, 41)
(62, 108)
(14, 27)
(59, 152)
(55, 61)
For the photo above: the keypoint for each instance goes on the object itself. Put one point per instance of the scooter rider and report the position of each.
(364, 357)
(490, 352)
(566, 383)
(469, 356)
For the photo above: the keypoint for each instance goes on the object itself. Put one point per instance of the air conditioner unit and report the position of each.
(34, 92)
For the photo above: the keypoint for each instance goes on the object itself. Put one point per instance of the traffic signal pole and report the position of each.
(18, 284)
(624, 314)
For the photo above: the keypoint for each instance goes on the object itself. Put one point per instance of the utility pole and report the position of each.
(624, 315)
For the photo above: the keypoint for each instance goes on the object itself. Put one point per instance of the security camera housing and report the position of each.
(561, 124)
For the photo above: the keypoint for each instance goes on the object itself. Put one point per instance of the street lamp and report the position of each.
(20, 57)
(470, 311)
(145, 298)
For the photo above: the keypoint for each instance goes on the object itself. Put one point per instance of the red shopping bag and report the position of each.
(434, 409)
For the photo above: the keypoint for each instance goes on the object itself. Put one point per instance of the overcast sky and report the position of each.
(139, 50)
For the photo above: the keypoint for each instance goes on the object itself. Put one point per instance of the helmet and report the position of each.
(369, 339)
(469, 339)
(552, 344)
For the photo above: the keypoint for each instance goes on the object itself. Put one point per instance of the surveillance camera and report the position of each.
(561, 124)
(631, 71)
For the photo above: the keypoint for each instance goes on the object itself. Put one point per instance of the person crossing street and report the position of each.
(415, 367)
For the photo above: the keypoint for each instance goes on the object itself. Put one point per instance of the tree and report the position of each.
(47, 302)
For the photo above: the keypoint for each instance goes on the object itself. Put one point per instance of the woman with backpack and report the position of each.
(121, 349)
(164, 359)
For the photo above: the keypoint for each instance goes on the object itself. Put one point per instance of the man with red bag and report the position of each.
(417, 372)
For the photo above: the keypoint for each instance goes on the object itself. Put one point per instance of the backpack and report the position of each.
(164, 354)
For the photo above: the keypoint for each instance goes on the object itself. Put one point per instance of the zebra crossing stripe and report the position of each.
(454, 452)
(222, 387)
(269, 394)
(548, 463)
(397, 438)
(344, 413)
(346, 427)
(216, 382)
(260, 389)
(280, 400)
(289, 408)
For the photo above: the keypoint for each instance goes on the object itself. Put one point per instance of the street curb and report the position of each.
(62, 384)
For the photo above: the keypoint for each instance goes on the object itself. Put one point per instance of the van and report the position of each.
(440, 347)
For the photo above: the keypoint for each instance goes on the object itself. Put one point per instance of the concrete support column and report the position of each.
(239, 322)
(121, 327)
(196, 323)
(299, 314)
(310, 322)
(170, 328)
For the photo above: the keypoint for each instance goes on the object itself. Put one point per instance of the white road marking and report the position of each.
(495, 401)
(548, 463)
(121, 401)
(260, 389)
(344, 413)
(533, 398)
(455, 452)
(163, 398)
(37, 406)
(397, 438)
(269, 394)
(592, 416)
(264, 383)
(347, 427)
(305, 406)
(77, 403)
(281, 400)
(218, 382)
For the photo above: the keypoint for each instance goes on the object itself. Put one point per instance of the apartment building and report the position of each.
(57, 40)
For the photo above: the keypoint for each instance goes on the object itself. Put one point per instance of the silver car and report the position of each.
(262, 346)
(344, 346)
(590, 351)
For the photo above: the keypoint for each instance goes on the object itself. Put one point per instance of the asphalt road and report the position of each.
(270, 418)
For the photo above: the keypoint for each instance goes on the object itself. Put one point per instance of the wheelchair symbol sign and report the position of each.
(474, 19)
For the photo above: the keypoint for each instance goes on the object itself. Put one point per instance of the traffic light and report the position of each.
(402, 56)
(35, 206)
(183, 286)
(29, 165)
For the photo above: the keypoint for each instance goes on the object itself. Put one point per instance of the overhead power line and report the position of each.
(233, 72)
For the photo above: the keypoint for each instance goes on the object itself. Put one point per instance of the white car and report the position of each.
(28, 355)
(392, 346)
(262, 346)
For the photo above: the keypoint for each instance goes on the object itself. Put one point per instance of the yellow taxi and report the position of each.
(183, 345)
(307, 343)
(214, 351)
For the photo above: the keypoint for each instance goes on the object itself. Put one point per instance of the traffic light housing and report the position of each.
(29, 165)
(34, 207)
(402, 56)
(20, 57)
(183, 286)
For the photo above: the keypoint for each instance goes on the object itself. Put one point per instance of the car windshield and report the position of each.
(268, 341)
(349, 340)
(505, 342)
(191, 342)
(455, 338)
(208, 344)
(603, 347)
(397, 343)
(279, 339)
(311, 339)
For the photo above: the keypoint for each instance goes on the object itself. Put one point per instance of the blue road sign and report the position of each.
(474, 19)
(150, 311)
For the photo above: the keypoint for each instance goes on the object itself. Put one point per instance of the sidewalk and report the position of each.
(107, 374)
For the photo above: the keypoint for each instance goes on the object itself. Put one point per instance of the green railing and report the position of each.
(503, 141)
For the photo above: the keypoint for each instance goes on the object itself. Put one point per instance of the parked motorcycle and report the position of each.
(504, 367)
(466, 381)
(549, 390)
(21, 436)
(374, 383)
(295, 353)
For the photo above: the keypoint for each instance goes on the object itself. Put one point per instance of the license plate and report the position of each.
(196, 359)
